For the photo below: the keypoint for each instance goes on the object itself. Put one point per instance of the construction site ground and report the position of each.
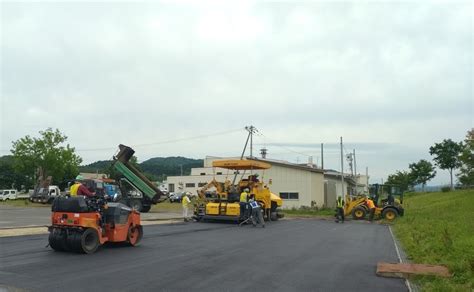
(11, 216)
(288, 255)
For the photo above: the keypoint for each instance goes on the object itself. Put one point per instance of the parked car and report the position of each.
(7, 195)
(176, 197)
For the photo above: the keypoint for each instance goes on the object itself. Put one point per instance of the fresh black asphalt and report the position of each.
(288, 255)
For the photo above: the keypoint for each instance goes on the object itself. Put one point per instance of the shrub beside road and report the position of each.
(438, 228)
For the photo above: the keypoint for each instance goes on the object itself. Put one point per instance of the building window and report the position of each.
(203, 173)
(201, 184)
(219, 173)
(171, 188)
(289, 196)
(190, 185)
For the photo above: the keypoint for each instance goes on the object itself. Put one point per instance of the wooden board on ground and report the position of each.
(400, 270)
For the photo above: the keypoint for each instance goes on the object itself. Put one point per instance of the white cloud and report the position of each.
(136, 73)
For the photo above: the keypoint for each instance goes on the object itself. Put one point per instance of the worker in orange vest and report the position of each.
(370, 204)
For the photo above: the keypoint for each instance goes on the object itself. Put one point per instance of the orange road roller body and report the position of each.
(83, 225)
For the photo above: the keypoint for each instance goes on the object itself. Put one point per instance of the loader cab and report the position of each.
(384, 195)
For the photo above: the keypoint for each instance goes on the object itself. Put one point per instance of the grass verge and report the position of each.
(166, 207)
(23, 203)
(438, 228)
(307, 212)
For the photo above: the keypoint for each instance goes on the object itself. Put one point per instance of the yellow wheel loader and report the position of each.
(388, 200)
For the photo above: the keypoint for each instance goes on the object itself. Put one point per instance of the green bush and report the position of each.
(445, 189)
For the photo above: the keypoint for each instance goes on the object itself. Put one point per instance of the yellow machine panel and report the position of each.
(212, 209)
(233, 209)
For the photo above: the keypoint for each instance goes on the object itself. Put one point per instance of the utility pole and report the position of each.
(367, 177)
(322, 156)
(355, 164)
(251, 129)
(342, 172)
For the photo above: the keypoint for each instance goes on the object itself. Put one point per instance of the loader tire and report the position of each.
(145, 209)
(359, 213)
(89, 241)
(389, 214)
(135, 235)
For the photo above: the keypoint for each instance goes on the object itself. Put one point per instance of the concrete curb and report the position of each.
(22, 227)
(402, 259)
(36, 226)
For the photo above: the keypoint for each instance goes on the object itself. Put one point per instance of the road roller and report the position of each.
(82, 224)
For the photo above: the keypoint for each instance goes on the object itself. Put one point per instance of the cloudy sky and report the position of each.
(179, 78)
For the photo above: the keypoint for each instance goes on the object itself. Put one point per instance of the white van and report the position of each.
(7, 195)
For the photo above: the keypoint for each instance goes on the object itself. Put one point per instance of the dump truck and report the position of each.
(223, 202)
(138, 192)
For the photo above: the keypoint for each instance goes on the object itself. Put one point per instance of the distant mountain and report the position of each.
(99, 166)
(157, 168)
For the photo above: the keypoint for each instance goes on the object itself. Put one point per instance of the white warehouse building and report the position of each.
(298, 185)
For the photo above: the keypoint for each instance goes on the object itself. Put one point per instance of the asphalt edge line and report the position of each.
(407, 282)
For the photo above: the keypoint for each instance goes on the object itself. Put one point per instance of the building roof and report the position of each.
(287, 164)
(240, 164)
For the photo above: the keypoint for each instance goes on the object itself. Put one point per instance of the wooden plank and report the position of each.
(400, 270)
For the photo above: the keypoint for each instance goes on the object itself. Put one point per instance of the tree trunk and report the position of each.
(451, 175)
(423, 188)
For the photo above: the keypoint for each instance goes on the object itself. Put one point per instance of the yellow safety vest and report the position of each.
(185, 201)
(74, 188)
(243, 197)
(339, 203)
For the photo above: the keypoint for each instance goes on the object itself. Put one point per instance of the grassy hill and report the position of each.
(438, 228)
(158, 168)
(170, 165)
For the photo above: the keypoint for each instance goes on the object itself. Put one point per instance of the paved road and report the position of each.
(289, 255)
(18, 216)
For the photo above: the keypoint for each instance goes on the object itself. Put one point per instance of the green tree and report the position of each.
(8, 177)
(48, 153)
(447, 155)
(421, 172)
(403, 179)
(466, 171)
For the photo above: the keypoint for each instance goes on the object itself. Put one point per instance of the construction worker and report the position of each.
(185, 202)
(339, 209)
(78, 189)
(256, 215)
(243, 202)
(370, 204)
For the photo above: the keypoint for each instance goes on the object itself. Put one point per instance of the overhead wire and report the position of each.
(166, 141)
(283, 147)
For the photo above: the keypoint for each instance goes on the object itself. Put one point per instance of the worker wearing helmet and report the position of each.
(370, 204)
(78, 189)
(244, 197)
(340, 209)
(185, 202)
(256, 215)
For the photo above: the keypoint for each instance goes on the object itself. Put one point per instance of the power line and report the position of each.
(276, 144)
(166, 141)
